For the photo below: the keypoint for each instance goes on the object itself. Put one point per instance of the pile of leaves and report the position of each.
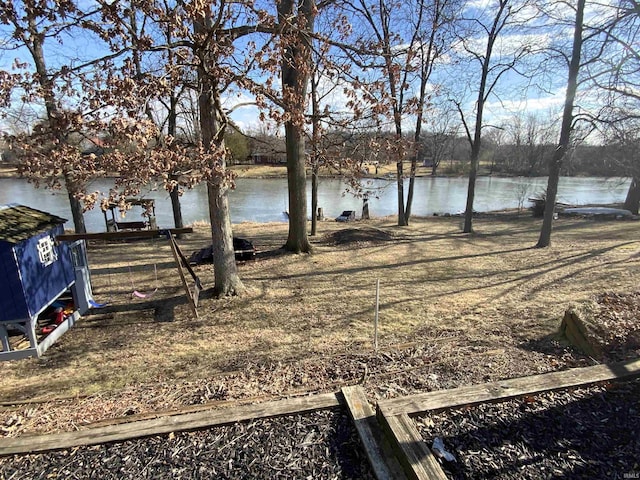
(616, 321)
(350, 236)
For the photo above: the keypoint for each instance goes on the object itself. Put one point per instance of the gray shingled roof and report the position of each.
(19, 222)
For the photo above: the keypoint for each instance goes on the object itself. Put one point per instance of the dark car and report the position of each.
(347, 216)
(243, 249)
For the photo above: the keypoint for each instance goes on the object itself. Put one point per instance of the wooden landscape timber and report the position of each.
(506, 389)
(181, 261)
(574, 328)
(412, 451)
(397, 427)
(378, 450)
(166, 425)
(414, 454)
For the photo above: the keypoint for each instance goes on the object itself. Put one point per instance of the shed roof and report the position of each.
(19, 222)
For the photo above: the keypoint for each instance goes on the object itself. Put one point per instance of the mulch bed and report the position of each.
(585, 433)
(320, 445)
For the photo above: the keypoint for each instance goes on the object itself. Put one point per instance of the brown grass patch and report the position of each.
(454, 309)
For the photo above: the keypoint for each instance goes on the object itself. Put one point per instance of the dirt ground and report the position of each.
(454, 309)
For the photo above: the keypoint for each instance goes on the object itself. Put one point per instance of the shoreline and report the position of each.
(262, 172)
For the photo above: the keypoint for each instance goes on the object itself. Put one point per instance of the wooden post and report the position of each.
(365, 208)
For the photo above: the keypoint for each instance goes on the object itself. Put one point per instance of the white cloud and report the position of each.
(497, 112)
(533, 104)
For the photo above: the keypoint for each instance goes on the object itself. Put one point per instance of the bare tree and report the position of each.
(55, 89)
(434, 23)
(397, 45)
(441, 133)
(526, 143)
(617, 75)
(555, 163)
(493, 62)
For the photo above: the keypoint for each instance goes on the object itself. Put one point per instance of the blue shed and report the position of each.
(37, 274)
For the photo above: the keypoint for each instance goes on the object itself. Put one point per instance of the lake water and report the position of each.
(264, 200)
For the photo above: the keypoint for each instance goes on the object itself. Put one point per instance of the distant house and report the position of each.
(268, 158)
(267, 150)
(39, 298)
(8, 157)
(428, 162)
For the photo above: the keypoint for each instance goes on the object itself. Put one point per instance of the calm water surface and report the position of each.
(264, 200)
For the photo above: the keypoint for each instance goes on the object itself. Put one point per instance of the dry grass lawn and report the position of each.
(454, 309)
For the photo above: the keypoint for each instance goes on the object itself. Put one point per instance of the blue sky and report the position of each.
(512, 95)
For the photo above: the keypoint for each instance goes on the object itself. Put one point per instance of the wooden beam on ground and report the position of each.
(412, 451)
(71, 237)
(165, 425)
(190, 298)
(385, 465)
(185, 263)
(506, 389)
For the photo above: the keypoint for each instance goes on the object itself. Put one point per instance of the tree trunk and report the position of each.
(633, 196)
(314, 199)
(175, 205)
(412, 181)
(53, 113)
(76, 207)
(471, 189)
(296, 72)
(227, 282)
(555, 164)
(315, 147)
(476, 141)
(172, 122)
(212, 126)
(402, 221)
(297, 240)
(365, 208)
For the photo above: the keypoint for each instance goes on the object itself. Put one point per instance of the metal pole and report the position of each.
(375, 325)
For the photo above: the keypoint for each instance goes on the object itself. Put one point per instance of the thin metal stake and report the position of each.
(375, 325)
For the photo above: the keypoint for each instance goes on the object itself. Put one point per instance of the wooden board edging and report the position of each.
(506, 389)
(383, 462)
(412, 451)
(167, 424)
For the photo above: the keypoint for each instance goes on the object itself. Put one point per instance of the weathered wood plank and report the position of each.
(385, 465)
(177, 258)
(71, 237)
(506, 389)
(164, 425)
(414, 454)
